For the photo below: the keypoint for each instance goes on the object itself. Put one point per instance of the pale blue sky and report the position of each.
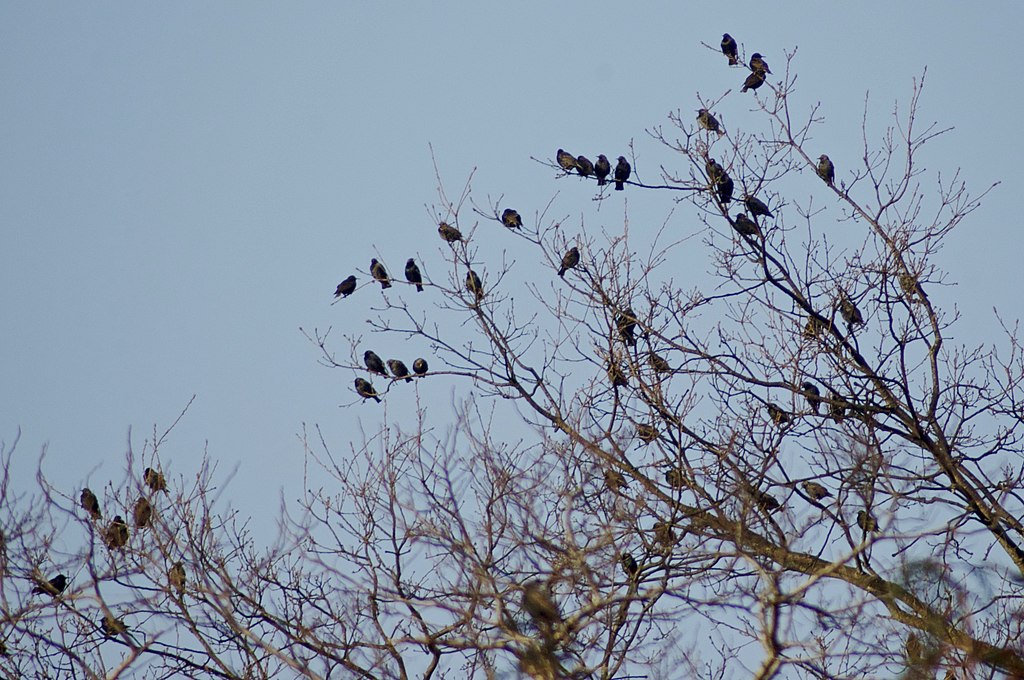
(183, 184)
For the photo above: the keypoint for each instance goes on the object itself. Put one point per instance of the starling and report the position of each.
(715, 171)
(566, 160)
(616, 376)
(708, 121)
(909, 285)
(55, 586)
(826, 170)
(373, 363)
(663, 533)
(412, 274)
(753, 81)
(614, 480)
(626, 325)
(813, 395)
(602, 169)
(511, 219)
(176, 577)
(154, 480)
(757, 207)
(449, 233)
(849, 311)
(778, 415)
(724, 189)
(658, 363)
(836, 408)
(675, 478)
(346, 287)
(569, 260)
(142, 513)
(419, 367)
(730, 49)
(584, 167)
(90, 503)
(647, 432)
(757, 63)
(867, 521)
(399, 370)
(380, 274)
(112, 626)
(116, 535)
(746, 226)
(629, 564)
(622, 171)
(815, 327)
(474, 285)
(365, 390)
(538, 603)
(816, 491)
(766, 501)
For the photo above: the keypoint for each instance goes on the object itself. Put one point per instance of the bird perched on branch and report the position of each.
(646, 432)
(826, 170)
(746, 226)
(566, 160)
(346, 287)
(615, 374)
(723, 188)
(154, 480)
(569, 260)
(420, 367)
(474, 285)
(715, 171)
(584, 167)
(380, 274)
(373, 362)
(813, 395)
(538, 603)
(753, 81)
(778, 415)
(176, 577)
(629, 564)
(412, 274)
(365, 390)
(625, 322)
(622, 172)
(614, 480)
(757, 63)
(116, 535)
(757, 207)
(708, 121)
(54, 587)
(449, 233)
(511, 219)
(816, 491)
(90, 503)
(849, 311)
(399, 370)
(730, 49)
(602, 168)
(112, 627)
(142, 513)
(658, 363)
(867, 521)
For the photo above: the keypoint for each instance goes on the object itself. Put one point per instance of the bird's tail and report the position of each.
(419, 288)
(601, 181)
(619, 185)
(561, 272)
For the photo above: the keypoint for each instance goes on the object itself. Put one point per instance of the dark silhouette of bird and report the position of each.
(629, 564)
(3, 650)
(419, 367)
(380, 274)
(724, 189)
(766, 501)
(757, 207)
(602, 168)
(826, 170)
(615, 375)
(730, 49)
(849, 311)
(346, 287)
(449, 233)
(625, 322)
(816, 491)
(55, 586)
(176, 577)
(373, 362)
(569, 260)
(909, 285)
(511, 219)
(837, 408)
(116, 535)
(778, 415)
(813, 395)
(867, 521)
(538, 603)
(746, 226)
(658, 363)
(90, 503)
(753, 81)
(757, 63)
(646, 432)
(142, 513)
(715, 171)
(815, 327)
(474, 285)
(365, 390)
(664, 534)
(584, 167)
(111, 626)
(614, 480)
(622, 171)
(399, 370)
(675, 478)
(412, 274)
(566, 160)
(708, 121)
(154, 480)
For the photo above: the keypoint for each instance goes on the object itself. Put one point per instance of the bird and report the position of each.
(419, 367)
(746, 226)
(412, 274)
(614, 480)
(626, 324)
(675, 478)
(569, 260)
(658, 363)
(664, 534)
(753, 81)
(766, 501)
(584, 167)
(867, 521)
(647, 432)
(142, 513)
(112, 626)
(724, 188)
(602, 168)
(715, 171)
(757, 207)
(566, 160)
(399, 370)
(538, 603)
(449, 233)
(836, 408)
(116, 535)
(55, 586)
(816, 491)
(826, 170)
(757, 63)
(380, 274)
(373, 362)
(346, 287)
(91, 503)
(365, 390)
(622, 171)
(176, 577)
(615, 375)
(708, 121)
(849, 311)
(813, 395)
(511, 219)
(814, 327)
(778, 415)
(474, 285)
(154, 480)
(629, 564)
(730, 49)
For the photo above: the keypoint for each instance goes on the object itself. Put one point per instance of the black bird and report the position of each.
(566, 160)
(584, 167)
(715, 171)
(813, 395)
(836, 408)
(154, 480)
(449, 233)
(346, 287)
(746, 226)
(116, 535)
(708, 121)
(826, 170)
(815, 327)
(647, 432)
(675, 478)
(412, 274)
(399, 370)
(112, 626)
(511, 219)
(91, 503)
(724, 189)
(622, 171)
(626, 325)
(538, 603)
(420, 367)
(602, 168)
(849, 311)
(176, 577)
(766, 501)
(753, 81)
(616, 376)
(614, 480)
(380, 274)
(658, 363)
(664, 534)
(730, 49)
(757, 207)
(867, 521)
(757, 63)
(142, 513)
(474, 285)
(55, 586)
(778, 415)
(629, 564)
(365, 390)
(569, 260)
(816, 491)
(373, 362)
